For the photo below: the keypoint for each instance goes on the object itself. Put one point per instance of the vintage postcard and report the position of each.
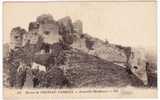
(85, 49)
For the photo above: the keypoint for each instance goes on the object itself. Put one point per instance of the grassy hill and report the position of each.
(89, 71)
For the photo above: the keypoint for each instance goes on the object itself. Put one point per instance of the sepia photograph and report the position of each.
(79, 49)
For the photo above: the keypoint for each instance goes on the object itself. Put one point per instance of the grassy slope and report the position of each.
(85, 70)
(95, 72)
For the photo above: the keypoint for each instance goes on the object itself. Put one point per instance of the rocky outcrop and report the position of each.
(138, 64)
(78, 57)
(52, 31)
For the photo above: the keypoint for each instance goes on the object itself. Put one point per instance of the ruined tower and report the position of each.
(48, 29)
(17, 37)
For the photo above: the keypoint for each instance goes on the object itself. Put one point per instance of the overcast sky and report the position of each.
(126, 23)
